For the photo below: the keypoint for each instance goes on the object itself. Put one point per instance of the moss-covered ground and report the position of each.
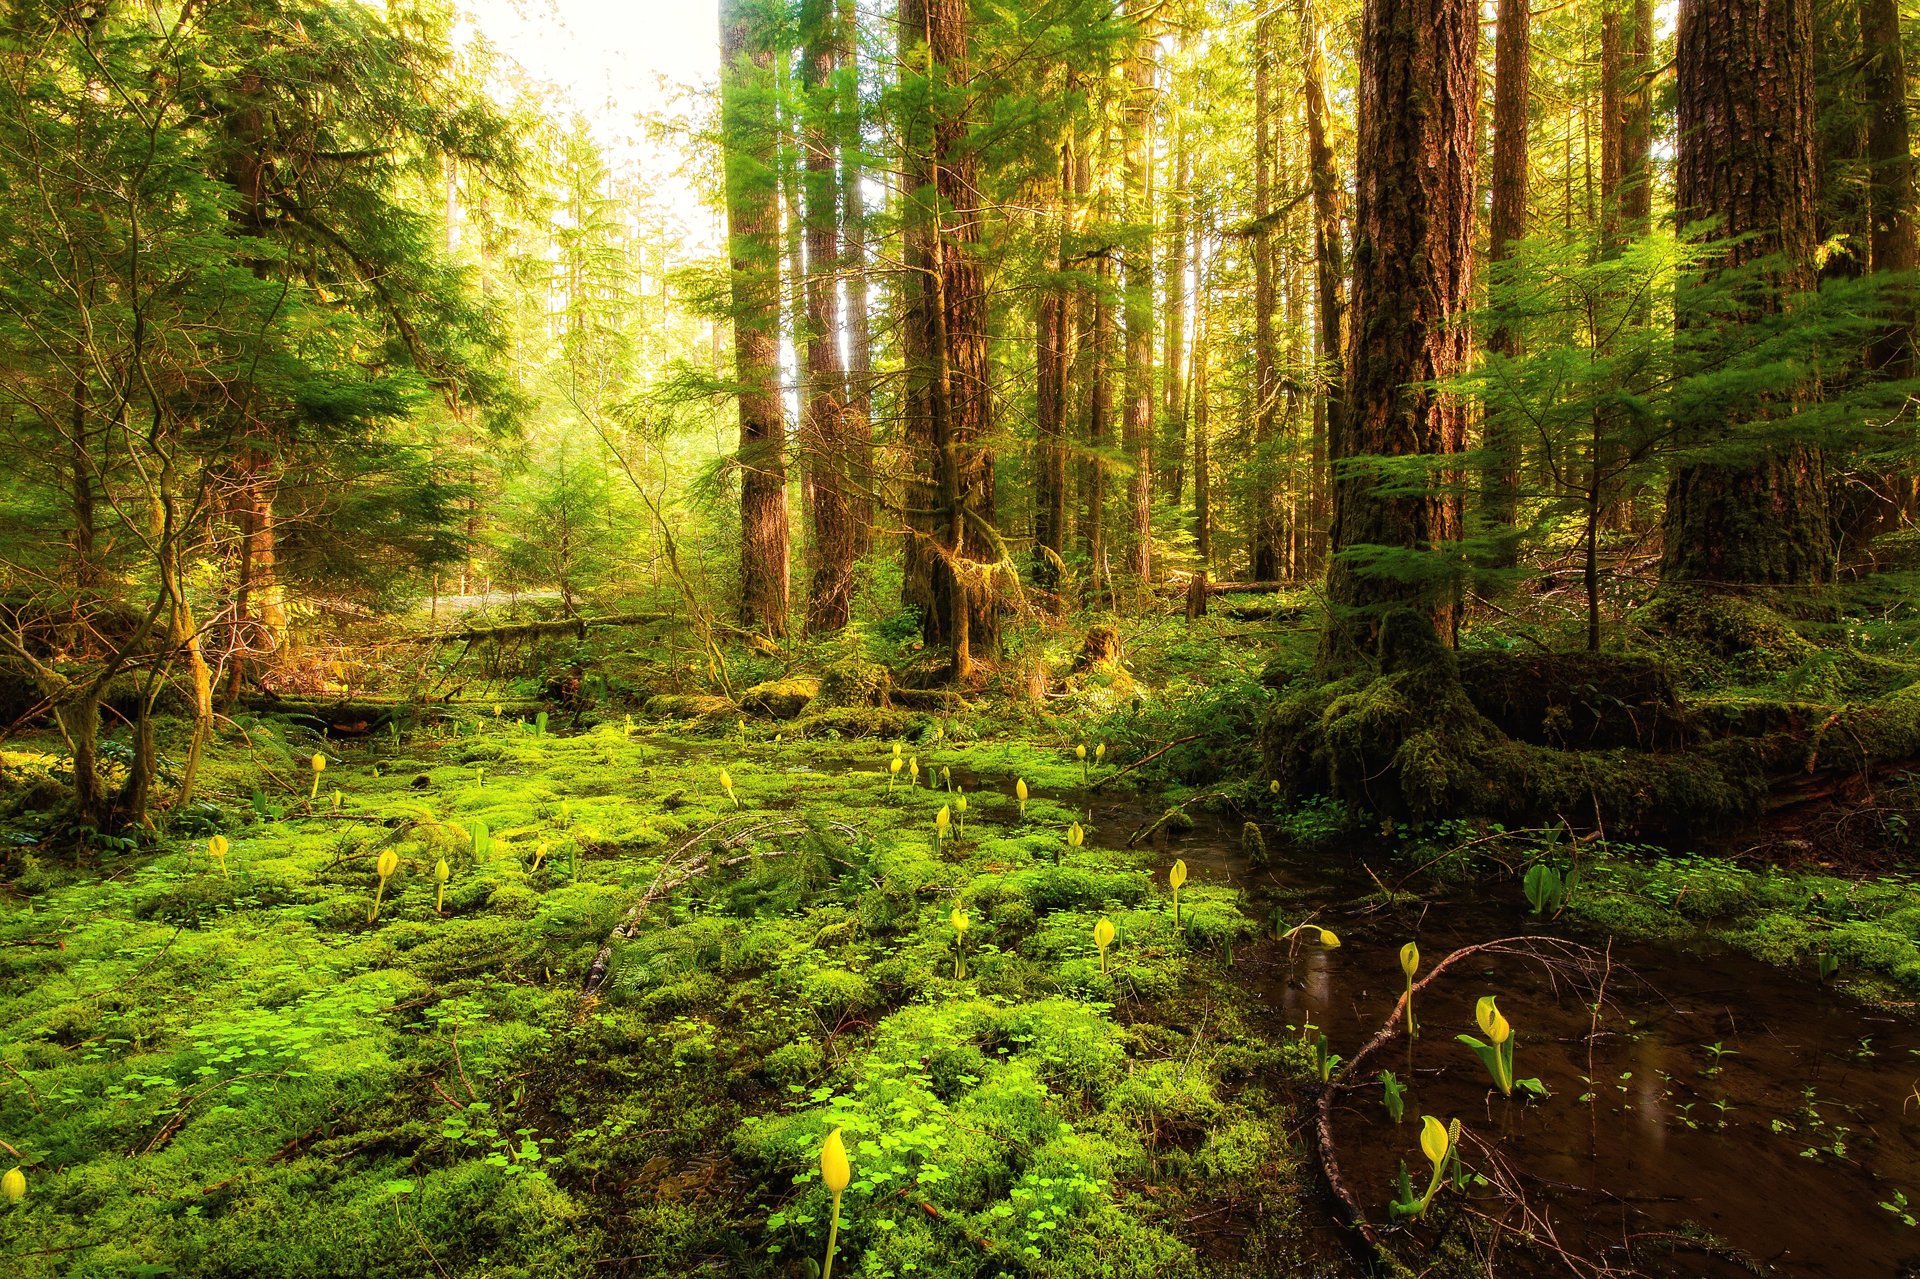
(235, 1068)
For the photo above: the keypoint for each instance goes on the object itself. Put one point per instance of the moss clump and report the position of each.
(860, 721)
(1589, 701)
(702, 706)
(851, 682)
(780, 698)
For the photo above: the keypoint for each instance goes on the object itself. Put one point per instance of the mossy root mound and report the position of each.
(1421, 741)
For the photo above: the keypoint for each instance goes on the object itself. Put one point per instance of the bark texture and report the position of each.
(1746, 161)
(1413, 270)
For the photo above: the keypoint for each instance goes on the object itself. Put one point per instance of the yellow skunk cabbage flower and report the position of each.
(1020, 793)
(896, 750)
(1328, 939)
(894, 766)
(726, 784)
(336, 799)
(960, 808)
(942, 825)
(1433, 1140)
(1100, 753)
(217, 849)
(540, 851)
(1076, 836)
(441, 873)
(14, 1185)
(913, 770)
(959, 920)
(319, 767)
(1273, 787)
(389, 862)
(1176, 877)
(837, 1174)
(1080, 753)
(1103, 935)
(1410, 964)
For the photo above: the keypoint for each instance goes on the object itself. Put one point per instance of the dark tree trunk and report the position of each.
(1202, 463)
(1746, 160)
(1053, 342)
(832, 474)
(1500, 501)
(953, 547)
(1413, 268)
(1137, 426)
(1095, 361)
(1330, 271)
(753, 227)
(1840, 142)
(1879, 503)
(1266, 551)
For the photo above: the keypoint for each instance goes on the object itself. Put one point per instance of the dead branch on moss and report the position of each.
(681, 866)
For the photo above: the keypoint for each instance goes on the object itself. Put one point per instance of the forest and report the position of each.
(1082, 639)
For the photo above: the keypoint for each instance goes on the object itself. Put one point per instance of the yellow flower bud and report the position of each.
(14, 1185)
(1103, 933)
(389, 862)
(1328, 940)
(1409, 960)
(959, 920)
(1178, 875)
(441, 871)
(834, 1169)
(319, 762)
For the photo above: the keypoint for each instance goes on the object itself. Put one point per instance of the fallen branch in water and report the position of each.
(1556, 953)
(1147, 759)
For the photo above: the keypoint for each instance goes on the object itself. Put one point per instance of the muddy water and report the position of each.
(1782, 1145)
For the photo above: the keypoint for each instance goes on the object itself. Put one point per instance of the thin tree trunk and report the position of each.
(1096, 350)
(1053, 340)
(1265, 551)
(1511, 50)
(752, 196)
(1330, 273)
(854, 323)
(1137, 428)
(1202, 463)
(1174, 445)
(1413, 232)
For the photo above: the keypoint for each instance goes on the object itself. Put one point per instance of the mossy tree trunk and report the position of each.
(1137, 422)
(1413, 235)
(953, 545)
(1053, 338)
(1500, 497)
(1746, 161)
(1330, 268)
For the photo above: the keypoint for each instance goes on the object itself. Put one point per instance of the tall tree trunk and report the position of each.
(1174, 439)
(835, 474)
(1330, 272)
(750, 141)
(951, 572)
(1266, 553)
(1202, 462)
(1840, 140)
(1746, 160)
(1413, 268)
(1137, 427)
(1508, 223)
(1053, 342)
(1095, 359)
(1878, 503)
(854, 321)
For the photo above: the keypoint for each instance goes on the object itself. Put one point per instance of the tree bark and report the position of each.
(854, 321)
(1412, 283)
(1330, 272)
(1508, 223)
(1746, 161)
(1174, 438)
(1266, 552)
(1095, 361)
(749, 130)
(1202, 463)
(1137, 427)
(824, 427)
(1053, 341)
(954, 548)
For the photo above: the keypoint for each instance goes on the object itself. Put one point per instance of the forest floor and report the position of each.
(670, 957)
